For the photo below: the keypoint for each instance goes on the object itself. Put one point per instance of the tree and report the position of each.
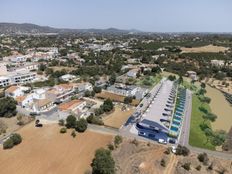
(218, 138)
(180, 80)
(97, 89)
(203, 157)
(128, 99)
(71, 121)
(103, 163)
(202, 91)
(182, 150)
(8, 144)
(172, 77)
(16, 138)
(208, 132)
(209, 116)
(7, 107)
(112, 79)
(107, 105)
(186, 166)
(63, 130)
(117, 140)
(81, 125)
(203, 85)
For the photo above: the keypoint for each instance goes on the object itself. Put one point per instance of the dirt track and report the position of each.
(46, 151)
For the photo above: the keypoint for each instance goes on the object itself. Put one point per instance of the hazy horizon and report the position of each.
(149, 15)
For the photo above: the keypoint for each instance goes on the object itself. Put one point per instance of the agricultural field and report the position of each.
(45, 150)
(204, 49)
(114, 97)
(197, 137)
(118, 117)
(221, 108)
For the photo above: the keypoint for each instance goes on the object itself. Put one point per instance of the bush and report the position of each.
(182, 150)
(103, 163)
(61, 122)
(16, 138)
(63, 130)
(73, 134)
(110, 147)
(8, 144)
(95, 120)
(81, 125)
(128, 100)
(203, 157)
(198, 168)
(71, 121)
(117, 140)
(135, 142)
(163, 163)
(186, 166)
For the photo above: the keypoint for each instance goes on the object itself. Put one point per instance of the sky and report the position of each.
(144, 15)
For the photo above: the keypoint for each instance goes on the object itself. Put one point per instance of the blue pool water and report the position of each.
(176, 123)
(175, 129)
(178, 114)
(177, 118)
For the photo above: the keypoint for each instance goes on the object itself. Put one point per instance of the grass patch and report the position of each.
(189, 86)
(197, 137)
(148, 81)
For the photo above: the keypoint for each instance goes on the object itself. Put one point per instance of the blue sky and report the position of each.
(145, 15)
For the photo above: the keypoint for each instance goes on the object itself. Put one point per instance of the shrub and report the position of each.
(8, 144)
(210, 167)
(7, 107)
(71, 121)
(203, 157)
(117, 140)
(135, 142)
(95, 120)
(198, 168)
(63, 130)
(61, 122)
(186, 166)
(81, 125)
(163, 163)
(73, 134)
(110, 147)
(16, 138)
(182, 150)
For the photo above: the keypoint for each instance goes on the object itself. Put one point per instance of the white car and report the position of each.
(162, 141)
(174, 149)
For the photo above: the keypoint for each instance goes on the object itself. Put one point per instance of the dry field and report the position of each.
(225, 85)
(118, 117)
(114, 97)
(204, 49)
(46, 151)
(11, 123)
(221, 108)
(59, 68)
(144, 158)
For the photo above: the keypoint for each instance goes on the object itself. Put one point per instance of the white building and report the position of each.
(132, 73)
(22, 77)
(16, 91)
(67, 77)
(4, 81)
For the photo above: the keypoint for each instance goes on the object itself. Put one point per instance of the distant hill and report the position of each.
(27, 28)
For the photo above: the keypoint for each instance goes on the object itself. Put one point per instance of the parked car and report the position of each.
(34, 114)
(172, 141)
(162, 141)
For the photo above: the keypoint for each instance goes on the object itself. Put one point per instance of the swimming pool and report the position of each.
(177, 118)
(175, 129)
(176, 123)
(178, 114)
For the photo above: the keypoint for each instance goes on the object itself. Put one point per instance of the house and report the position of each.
(21, 77)
(67, 77)
(192, 75)
(132, 73)
(42, 105)
(75, 107)
(218, 63)
(85, 86)
(4, 81)
(18, 59)
(16, 91)
(128, 90)
(3, 69)
(60, 93)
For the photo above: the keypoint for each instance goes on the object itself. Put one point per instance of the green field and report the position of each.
(148, 81)
(197, 137)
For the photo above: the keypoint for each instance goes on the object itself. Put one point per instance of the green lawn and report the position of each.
(197, 137)
(148, 81)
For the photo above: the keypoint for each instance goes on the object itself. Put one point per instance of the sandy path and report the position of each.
(221, 108)
(171, 165)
